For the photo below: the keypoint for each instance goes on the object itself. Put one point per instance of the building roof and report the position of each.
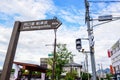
(32, 67)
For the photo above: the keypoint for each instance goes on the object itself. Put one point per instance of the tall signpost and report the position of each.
(24, 26)
(91, 42)
(11, 52)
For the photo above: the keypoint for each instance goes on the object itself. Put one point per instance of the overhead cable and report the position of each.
(103, 1)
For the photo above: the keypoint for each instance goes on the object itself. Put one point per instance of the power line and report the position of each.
(103, 12)
(103, 1)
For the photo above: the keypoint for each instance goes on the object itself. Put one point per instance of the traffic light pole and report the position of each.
(90, 32)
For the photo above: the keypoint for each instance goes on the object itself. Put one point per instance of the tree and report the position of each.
(62, 58)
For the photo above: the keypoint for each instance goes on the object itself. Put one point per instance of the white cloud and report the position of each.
(100, 9)
(26, 9)
(72, 15)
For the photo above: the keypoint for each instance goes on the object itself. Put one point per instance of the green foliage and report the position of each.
(62, 58)
(71, 75)
(49, 72)
(36, 73)
(26, 72)
(85, 75)
(13, 70)
(108, 76)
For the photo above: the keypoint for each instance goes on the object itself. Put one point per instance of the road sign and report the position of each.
(105, 18)
(50, 55)
(40, 25)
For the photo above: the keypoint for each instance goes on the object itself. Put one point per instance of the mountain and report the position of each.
(107, 71)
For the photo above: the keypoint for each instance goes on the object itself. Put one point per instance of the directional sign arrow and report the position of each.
(40, 25)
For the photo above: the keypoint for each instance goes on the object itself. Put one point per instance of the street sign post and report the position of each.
(40, 25)
(24, 26)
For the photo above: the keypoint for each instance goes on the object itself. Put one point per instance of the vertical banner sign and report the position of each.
(112, 69)
(24, 26)
(109, 53)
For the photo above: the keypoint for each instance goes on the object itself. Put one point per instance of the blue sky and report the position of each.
(71, 13)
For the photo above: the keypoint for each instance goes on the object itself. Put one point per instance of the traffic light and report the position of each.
(78, 44)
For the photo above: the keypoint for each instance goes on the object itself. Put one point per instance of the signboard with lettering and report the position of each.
(40, 25)
(105, 18)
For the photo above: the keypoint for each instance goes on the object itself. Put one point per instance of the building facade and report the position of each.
(72, 66)
(44, 62)
(115, 56)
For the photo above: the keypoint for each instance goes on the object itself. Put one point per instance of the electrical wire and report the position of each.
(103, 12)
(103, 1)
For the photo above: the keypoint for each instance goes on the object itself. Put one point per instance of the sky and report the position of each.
(32, 44)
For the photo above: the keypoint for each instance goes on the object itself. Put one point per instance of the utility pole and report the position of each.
(86, 61)
(54, 54)
(91, 43)
(86, 57)
(54, 57)
(101, 71)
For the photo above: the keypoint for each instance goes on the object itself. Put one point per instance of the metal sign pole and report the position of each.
(11, 52)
